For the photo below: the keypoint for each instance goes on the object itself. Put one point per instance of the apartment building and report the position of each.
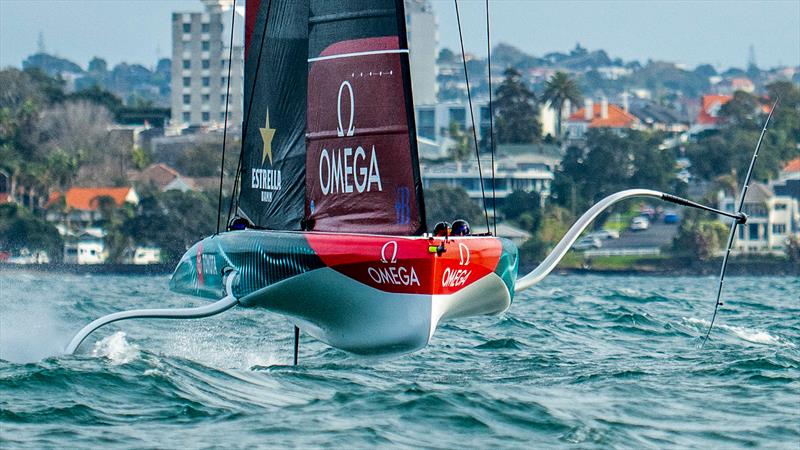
(200, 59)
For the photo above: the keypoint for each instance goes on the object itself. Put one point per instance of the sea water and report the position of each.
(578, 361)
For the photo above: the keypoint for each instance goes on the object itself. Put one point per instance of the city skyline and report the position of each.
(690, 33)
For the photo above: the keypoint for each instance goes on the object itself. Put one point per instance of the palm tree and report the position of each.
(558, 89)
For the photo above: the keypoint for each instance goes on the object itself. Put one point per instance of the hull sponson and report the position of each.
(361, 293)
(357, 318)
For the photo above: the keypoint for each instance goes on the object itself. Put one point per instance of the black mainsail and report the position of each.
(330, 140)
(272, 193)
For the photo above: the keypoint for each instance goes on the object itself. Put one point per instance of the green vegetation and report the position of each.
(19, 229)
(444, 203)
(516, 115)
(558, 89)
(172, 220)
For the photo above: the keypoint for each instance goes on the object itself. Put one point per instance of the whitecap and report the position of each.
(116, 348)
(746, 334)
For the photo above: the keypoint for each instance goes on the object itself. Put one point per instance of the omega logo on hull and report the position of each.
(392, 273)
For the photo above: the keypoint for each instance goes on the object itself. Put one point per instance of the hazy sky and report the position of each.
(690, 32)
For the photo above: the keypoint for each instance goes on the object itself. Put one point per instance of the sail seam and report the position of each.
(350, 55)
(370, 13)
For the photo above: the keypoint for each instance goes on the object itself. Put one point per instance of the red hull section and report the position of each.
(409, 265)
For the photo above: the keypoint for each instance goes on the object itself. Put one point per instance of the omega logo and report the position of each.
(350, 128)
(393, 259)
(463, 253)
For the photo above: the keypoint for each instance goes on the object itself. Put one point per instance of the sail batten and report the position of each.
(352, 15)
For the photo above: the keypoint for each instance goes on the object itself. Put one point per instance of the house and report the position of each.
(599, 115)
(771, 220)
(165, 178)
(709, 109)
(88, 247)
(145, 255)
(516, 235)
(81, 205)
(526, 172)
(731, 85)
(788, 182)
(653, 116)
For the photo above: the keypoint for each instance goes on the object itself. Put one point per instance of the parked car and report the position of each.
(604, 234)
(671, 218)
(588, 243)
(640, 223)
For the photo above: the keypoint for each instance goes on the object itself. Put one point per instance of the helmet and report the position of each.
(460, 228)
(441, 229)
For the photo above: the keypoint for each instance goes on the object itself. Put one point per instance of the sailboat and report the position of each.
(329, 228)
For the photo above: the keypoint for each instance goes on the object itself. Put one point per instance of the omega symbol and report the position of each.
(393, 259)
(350, 129)
(463, 253)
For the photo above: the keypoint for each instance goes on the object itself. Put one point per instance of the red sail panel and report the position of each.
(362, 169)
(359, 173)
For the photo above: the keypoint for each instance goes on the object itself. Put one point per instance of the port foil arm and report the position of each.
(561, 249)
(212, 309)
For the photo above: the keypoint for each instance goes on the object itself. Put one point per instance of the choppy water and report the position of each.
(578, 361)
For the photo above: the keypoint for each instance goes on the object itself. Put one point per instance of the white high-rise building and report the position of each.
(423, 38)
(200, 51)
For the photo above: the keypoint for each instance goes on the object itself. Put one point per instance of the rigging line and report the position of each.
(247, 116)
(742, 220)
(491, 116)
(472, 117)
(225, 127)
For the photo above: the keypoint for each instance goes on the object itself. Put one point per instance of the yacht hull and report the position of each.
(365, 294)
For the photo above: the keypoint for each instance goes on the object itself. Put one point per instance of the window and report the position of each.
(222, 81)
(206, 117)
(459, 116)
(206, 64)
(186, 117)
(204, 28)
(780, 207)
(187, 64)
(741, 233)
(206, 81)
(206, 45)
(205, 98)
(426, 125)
(222, 99)
(222, 63)
(187, 99)
(222, 117)
(779, 228)
(753, 231)
(187, 81)
(187, 28)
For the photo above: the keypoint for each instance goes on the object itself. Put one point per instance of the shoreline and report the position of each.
(661, 267)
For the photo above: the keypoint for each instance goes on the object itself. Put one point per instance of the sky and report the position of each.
(688, 32)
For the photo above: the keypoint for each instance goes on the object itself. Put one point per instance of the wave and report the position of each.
(746, 334)
(116, 348)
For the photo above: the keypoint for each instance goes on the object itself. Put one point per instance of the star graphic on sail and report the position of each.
(267, 134)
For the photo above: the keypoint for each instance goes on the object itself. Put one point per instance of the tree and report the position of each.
(558, 89)
(523, 208)
(20, 229)
(516, 111)
(463, 143)
(699, 236)
(610, 162)
(172, 221)
(446, 204)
